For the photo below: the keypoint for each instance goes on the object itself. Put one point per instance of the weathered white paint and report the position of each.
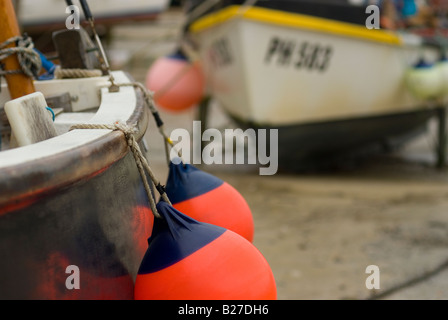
(115, 106)
(84, 92)
(29, 119)
(363, 78)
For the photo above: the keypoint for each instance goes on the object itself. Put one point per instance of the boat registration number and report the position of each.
(301, 55)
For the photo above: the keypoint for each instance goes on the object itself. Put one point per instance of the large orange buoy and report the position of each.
(191, 260)
(177, 83)
(209, 199)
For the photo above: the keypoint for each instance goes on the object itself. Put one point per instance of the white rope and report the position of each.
(60, 73)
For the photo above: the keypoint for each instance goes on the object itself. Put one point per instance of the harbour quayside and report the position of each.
(333, 85)
(78, 212)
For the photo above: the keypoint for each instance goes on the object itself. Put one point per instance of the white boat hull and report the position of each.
(32, 13)
(277, 75)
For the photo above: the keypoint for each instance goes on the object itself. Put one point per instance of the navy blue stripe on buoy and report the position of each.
(174, 237)
(186, 182)
(178, 55)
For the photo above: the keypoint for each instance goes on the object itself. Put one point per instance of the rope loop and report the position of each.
(29, 59)
(140, 160)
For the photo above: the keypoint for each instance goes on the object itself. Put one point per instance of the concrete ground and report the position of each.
(319, 232)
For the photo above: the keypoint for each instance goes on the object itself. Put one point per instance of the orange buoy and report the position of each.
(177, 83)
(191, 260)
(209, 199)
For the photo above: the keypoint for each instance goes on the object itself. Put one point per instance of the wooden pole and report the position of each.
(18, 84)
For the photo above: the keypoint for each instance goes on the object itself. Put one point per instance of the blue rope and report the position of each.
(52, 112)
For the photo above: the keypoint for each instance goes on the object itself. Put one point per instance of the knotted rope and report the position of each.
(140, 160)
(29, 59)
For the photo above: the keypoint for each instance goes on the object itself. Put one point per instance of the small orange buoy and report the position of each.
(177, 83)
(207, 198)
(190, 260)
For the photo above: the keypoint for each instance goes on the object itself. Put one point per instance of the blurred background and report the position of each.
(319, 229)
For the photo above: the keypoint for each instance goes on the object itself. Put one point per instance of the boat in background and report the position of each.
(73, 202)
(314, 71)
(41, 15)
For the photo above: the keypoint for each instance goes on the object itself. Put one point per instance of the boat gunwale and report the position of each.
(295, 20)
(139, 11)
(27, 181)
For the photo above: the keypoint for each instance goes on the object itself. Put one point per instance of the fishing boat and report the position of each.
(45, 14)
(314, 71)
(74, 215)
